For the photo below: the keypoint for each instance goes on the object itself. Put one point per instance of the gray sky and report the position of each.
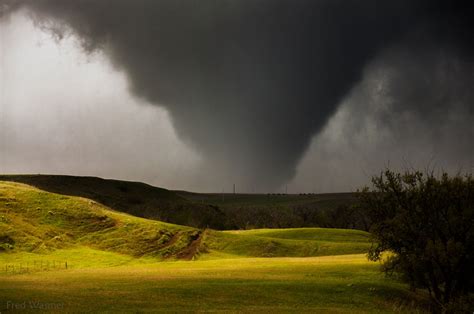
(67, 110)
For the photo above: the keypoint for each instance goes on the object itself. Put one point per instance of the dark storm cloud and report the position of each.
(249, 82)
(412, 108)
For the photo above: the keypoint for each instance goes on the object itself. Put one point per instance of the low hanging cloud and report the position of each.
(249, 83)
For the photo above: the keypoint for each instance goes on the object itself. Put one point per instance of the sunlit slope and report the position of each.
(35, 221)
(320, 234)
(231, 270)
(135, 198)
(329, 284)
(299, 242)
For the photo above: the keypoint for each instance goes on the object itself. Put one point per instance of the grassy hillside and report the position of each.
(320, 234)
(134, 198)
(217, 211)
(120, 263)
(287, 242)
(35, 221)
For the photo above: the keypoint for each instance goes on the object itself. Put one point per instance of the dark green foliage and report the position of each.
(428, 223)
(250, 211)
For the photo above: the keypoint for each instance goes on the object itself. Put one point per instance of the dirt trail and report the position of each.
(193, 248)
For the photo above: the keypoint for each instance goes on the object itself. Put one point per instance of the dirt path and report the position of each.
(193, 248)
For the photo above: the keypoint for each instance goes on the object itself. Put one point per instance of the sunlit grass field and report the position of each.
(120, 263)
(346, 283)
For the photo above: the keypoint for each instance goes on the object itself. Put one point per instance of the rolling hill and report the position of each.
(135, 198)
(74, 254)
(201, 210)
(36, 221)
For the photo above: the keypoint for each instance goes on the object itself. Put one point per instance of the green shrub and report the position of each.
(428, 223)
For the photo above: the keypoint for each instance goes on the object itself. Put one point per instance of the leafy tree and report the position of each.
(425, 225)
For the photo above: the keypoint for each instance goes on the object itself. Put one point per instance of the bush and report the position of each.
(427, 222)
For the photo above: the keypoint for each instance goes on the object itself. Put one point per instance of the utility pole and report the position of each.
(234, 188)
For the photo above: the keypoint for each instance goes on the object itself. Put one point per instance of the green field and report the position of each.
(117, 262)
(346, 283)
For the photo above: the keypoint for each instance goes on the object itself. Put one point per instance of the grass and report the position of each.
(338, 284)
(41, 222)
(77, 258)
(321, 234)
(121, 263)
(303, 242)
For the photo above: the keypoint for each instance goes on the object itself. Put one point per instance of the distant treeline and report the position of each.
(294, 216)
(227, 217)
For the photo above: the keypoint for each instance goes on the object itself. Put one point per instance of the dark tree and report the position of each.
(425, 225)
